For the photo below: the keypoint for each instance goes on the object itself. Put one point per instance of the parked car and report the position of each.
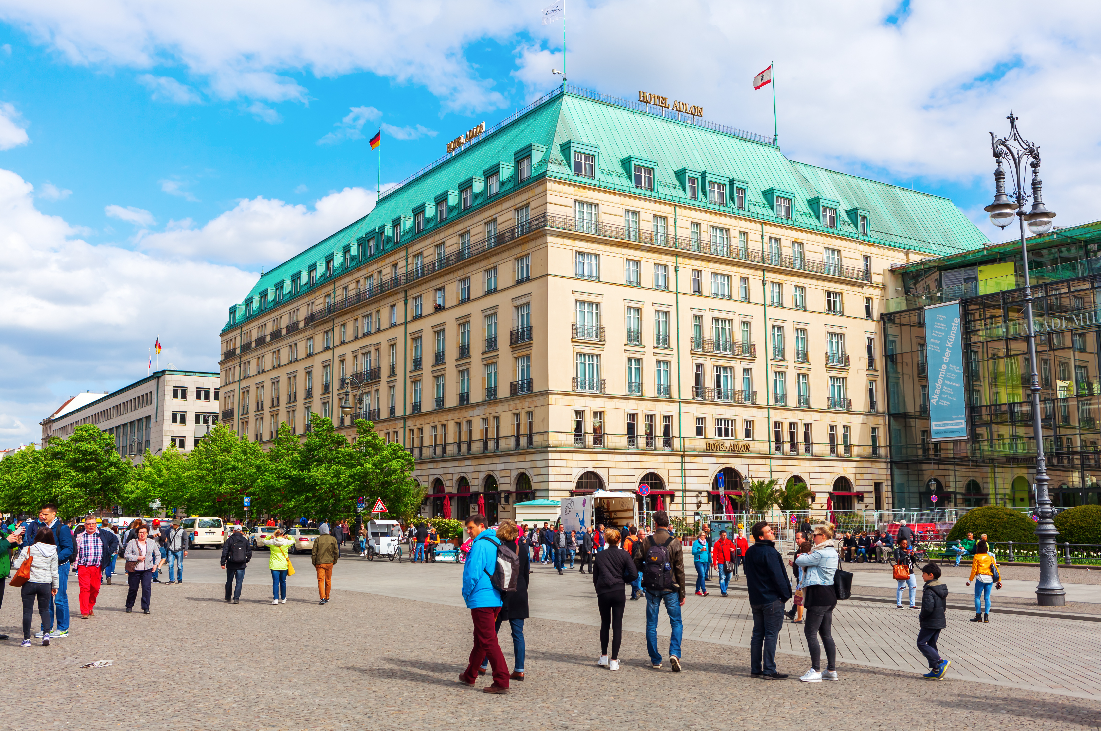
(260, 534)
(303, 539)
(205, 531)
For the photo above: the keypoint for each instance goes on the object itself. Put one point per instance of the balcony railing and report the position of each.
(327, 388)
(227, 414)
(802, 356)
(872, 407)
(838, 360)
(736, 348)
(491, 344)
(371, 414)
(439, 402)
(393, 369)
(464, 398)
(661, 340)
(778, 353)
(246, 346)
(518, 388)
(745, 397)
(923, 368)
(491, 393)
(260, 340)
(804, 400)
(662, 390)
(634, 388)
(780, 399)
(416, 364)
(871, 363)
(415, 408)
(393, 411)
(309, 393)
(839, 404)
(588, 385)
(229, 353)
(519, 335)
(634, 337)
(438, 359)
(464, 351)
(588, 332)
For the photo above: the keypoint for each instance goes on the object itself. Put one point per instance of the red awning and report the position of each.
(663, 492)
(846, 493)
(728, 492)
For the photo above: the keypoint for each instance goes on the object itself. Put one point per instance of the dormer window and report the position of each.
(863, 223)
(441, 211)
(716, 193)
(296, 284)
(829, 217)
(313, 275)
(644, 177)
(397, 232)
(264, 301)
(279, 292)
(525, 168)
(467, 197)
(329, 267)
(371, 246)
(739, 198)
(493, 184)
(584, 165)
(693, 189)
(782, 207)
(418, 222)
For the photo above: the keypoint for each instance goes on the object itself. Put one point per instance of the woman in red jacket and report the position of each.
(723, 554)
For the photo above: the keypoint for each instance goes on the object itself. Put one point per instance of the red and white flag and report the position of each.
(763, 79)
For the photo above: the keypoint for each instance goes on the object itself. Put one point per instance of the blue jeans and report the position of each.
(518, 647)
(724, 578)
(701, 576)
(231, 575)
(912, 584)
(175, 565)
(636, 587)
(419, 555)
(571, 552)
(559, 558)
(960, 553)
(767, 621)
(278, 583)
(982, 593)
(59, 607)
(672, 607)
(109, 569)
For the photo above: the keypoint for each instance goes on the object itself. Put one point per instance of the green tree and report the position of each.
(327, 480)
(387, 473)
(762, 496)
(81, 474)
(222, 469)
(281, 478)
(162, 479)
(19, 480)
(795, 496)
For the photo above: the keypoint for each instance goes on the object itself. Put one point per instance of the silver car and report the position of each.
(303, 539)
(260, 534)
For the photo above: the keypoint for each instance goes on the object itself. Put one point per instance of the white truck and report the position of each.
(613, 509)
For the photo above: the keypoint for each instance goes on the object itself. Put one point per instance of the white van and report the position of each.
(205, 531)
(617, 509)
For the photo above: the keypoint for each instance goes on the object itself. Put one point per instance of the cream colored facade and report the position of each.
(570, 420)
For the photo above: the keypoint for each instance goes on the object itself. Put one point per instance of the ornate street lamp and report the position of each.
(1019, 152)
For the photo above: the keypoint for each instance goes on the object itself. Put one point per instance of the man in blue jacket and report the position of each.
(63, 537)
(484, 601)
(769, 589)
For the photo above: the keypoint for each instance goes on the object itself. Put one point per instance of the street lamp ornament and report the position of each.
(1019, 153)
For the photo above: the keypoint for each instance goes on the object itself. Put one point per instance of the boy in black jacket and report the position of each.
(934, 599)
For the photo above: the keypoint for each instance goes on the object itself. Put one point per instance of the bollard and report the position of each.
(1011, 559)
(1066, 553)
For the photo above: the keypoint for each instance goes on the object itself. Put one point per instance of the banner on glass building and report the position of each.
(943, 344)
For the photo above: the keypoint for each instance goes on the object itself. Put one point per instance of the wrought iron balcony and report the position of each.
(778, 353)
(393, 411)
(438, 359)
(837, 359)
(736, 348)
(415, 408)
(292, 327)
(871, 363)
(661, 340)
(519, 335)
(464, 398)
(393, 369)
(327, 388)
(663, 390)
(309, 392)
(634, 337)
(802, 356)
(491, 344)
(491, 393)
(780, 399)
(518, 388)
(260, 340)
(464, 351)
(634, 388)
(416, 364)
(588, 332)
(227, 414)
(923, 368)
(745, 397)
(804, 400)
(873, 407)
(371, 414)
(439, 402)
(246, 346)
(923, 409)
(839, 404)
(589, 385)
(229, 353)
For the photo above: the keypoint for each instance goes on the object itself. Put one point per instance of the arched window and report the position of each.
(730, 482)
(524, 490)
(842, 484)
(462, 486)
(653, 481)
(437, 486)
(489, 484)
(842, 496)
(589, 482)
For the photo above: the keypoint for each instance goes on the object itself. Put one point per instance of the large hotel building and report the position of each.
(599, 294)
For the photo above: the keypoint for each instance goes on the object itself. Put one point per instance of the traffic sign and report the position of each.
(361, 503)
(933, 498)
(644, 490)
(248, 501)
(379, 507)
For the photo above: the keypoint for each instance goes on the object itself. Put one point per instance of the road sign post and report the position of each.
(379, 506)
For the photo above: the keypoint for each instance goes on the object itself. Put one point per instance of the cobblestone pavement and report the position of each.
(373, 661)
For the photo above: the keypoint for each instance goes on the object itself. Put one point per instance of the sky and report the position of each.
(155, 156)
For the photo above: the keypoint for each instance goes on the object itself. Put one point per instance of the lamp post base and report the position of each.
(1051, 598)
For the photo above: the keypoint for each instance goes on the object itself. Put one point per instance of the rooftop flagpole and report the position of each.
(775, 129)
(563, 44)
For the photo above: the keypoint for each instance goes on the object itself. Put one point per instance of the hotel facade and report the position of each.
(599, 294)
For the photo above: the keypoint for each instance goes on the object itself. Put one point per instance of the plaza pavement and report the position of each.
(386, 651)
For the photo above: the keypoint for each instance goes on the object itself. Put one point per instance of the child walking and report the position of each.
(931, 620)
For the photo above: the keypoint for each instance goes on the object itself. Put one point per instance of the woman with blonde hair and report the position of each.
(279, 563)
(819, 599)
(613, 569)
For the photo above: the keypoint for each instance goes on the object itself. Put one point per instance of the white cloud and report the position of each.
(51, 192)
(351, 127)
(13, 131)
(408, 133)
(261, 231)
(178, 188)
(130, 214)
(78, 316)
(6, 49)
(301, 188)
(264, 113)
(165, 88)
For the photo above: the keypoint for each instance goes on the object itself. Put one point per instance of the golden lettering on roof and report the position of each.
(658, 100)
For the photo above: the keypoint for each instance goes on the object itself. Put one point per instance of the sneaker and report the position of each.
(39, 635)
(655, 666)
(675, 662)
(282, 601)
(830, 675)
(602, 662)
(274, 601)
(699, 593)
(912, 606)
(811, 676)
(942, 669)
(931, 675)
(613, 665)
(775, 676)
(46, 640)
(236, 601)
(25, 643)
(724, 593)
(59, 633)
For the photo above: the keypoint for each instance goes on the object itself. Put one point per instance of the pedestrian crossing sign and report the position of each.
(379, 507)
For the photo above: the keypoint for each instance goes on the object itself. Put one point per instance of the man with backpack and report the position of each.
(769, 590)
(483, 599)
(660, 560)
(236, 553)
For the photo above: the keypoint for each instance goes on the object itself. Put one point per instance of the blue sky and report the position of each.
(153, 158)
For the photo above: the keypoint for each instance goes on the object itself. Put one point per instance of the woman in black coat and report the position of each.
(613, 569)
(514, 604)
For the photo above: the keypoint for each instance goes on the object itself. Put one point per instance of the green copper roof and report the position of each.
(620, 133)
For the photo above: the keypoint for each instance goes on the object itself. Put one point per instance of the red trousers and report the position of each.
(89, 578)
(485, 644)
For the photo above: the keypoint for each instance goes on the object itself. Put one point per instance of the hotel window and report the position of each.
(829, 217)
(418, 222)
(838, 389)
(491, 381)
(720, 241)
(634, 326)
(634, 376)
(743, 245)
(491, 280)
(747, 383)
(644, 177)
(439, 386)
(834, 303)
(725, 429)
(720, 285)
(778, 342)
(801, 345)
(799, 297)
(779, 388)
(418, 306)
(464, 289)
(694, 236)
(523, 268)
(630, 222)
(747, 434)
(584, 165)
(464, 339)
(701, 427)
(743, 289)
(464, 385)
(746, 333)
(587, 321)
(309, 346)
(493, 184)
(693, 188)
(393, 315)
(783, 207)
(863, 225)
(716, 193)
(441, 341)
(697, 281)
(802, 385)
(585, 216)
(724, 383)
(179, 392)
(440, 257)
(661, 276)
(833, 261)
(798, 255)
(697, 335)
(523, 372)
(739, 198)
(588, 372)
(846, 440)
(586, 265)
(775, 251)
(661, 227)
(661, 379)
(466, 197)
(524, 167)
(312, 275)
(418, 265)
(491, 331)
(329, 267)
(776, 294)
(343, 335)
(179, 417)
(441, 211)
(491, 232)
(868, 308)
(722, 330)
(634, 272)
(523, 220)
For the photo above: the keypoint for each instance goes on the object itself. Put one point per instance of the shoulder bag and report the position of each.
(901, 572)
(290, 566)
(23, 575)
(131, 566)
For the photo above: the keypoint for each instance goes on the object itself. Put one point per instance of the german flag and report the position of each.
(376, 140)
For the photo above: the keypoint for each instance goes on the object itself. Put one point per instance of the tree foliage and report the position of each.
(999, 523)
(762, 495)
(794, 496)
(1080, 525)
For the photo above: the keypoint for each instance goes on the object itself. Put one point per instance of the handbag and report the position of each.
(797, 600)
(843, 583)
(290, 566)
(995, 573)
(23, 575)
(728, 567)
(131, 566)
(902, 572)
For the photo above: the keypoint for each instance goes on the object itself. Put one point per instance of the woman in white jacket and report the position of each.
(819, 598)
(42, 583)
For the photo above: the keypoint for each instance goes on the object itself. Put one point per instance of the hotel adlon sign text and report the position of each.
(735, 447)
(660, 101)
